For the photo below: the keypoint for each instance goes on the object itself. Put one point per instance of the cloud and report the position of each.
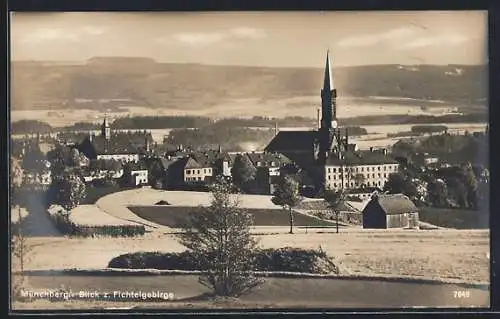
(52, 34)
(208, 38)
(450, 39)
(250, 33)
(365, 40)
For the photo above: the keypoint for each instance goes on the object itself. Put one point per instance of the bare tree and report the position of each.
(20, 250)
(333, 199)
(287, 195)
(219, 238)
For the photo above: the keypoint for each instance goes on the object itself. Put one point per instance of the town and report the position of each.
(172, 179)
(320, 159)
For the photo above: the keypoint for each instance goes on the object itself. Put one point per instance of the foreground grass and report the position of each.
(446, 254)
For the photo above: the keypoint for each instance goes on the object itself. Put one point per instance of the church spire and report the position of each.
(328, 81)
(105, 128)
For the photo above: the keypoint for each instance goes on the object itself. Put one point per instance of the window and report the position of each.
(334, 170)
(334, 184)
(188, 171)
(334, 176)
(373, 169)
(379, 175)
(362, 169)
(379, 168)
(385, 175)
(385, 168)
(373, 175)
(198, 172)
(259, 163)
(329, 177)
(329, 170)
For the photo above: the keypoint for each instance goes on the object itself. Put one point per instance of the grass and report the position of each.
(459, 254)
(174, 216)
(455, 218)
(95, 193)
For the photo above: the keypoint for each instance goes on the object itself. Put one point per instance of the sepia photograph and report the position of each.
(249, 160)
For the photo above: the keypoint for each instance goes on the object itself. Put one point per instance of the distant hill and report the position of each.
(115, 81)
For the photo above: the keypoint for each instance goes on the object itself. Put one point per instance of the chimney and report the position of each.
(91, 136)
(276, 128)
(318, 118)
(371, 149)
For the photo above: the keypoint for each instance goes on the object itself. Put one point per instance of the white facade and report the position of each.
(197, 174)
(373, 175)
(139, 177)
(119, 157)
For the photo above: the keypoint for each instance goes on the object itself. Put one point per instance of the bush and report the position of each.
(286, 259)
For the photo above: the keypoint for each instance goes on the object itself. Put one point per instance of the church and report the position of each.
(119, 146)
(326, 155)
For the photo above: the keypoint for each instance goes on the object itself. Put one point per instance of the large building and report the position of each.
(119, 146)
(326, 154)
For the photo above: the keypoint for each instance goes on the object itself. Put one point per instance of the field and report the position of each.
(455, 218)
(445, 254)
(173, 216)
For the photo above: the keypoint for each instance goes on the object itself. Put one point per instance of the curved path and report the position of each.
(286, 292)
(116, 204)
(37, 223)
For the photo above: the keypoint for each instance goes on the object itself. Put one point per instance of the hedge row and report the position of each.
(286, 259)
(66, 226)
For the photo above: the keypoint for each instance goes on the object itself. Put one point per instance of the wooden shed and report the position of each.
(390, 211)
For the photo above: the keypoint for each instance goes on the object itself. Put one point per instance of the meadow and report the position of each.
(176, 216)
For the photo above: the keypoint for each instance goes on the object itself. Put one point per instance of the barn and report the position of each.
(390, 211)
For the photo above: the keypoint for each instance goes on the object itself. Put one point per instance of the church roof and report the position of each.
(267, 159)
(292, 141)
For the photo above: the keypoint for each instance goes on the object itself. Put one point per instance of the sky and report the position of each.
(276, 39)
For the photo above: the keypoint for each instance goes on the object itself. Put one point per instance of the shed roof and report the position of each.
(393, 204)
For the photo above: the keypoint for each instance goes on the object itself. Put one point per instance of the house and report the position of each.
(390, 211)
(354, 169)
(196, 172)
(136, 173)
(268, 169)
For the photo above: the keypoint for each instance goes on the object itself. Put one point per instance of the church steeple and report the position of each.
(106, 129)
(328, 82)
(328, 96)
(328, 127)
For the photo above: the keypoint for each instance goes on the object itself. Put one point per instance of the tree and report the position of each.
(243, 172)
(20, 249)
(333, 200)
(437, 193)
(16, 179)
(287, 195)
(74, 157)
(398, 183)
(71, 191)
(359, 179)
(219, 238)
